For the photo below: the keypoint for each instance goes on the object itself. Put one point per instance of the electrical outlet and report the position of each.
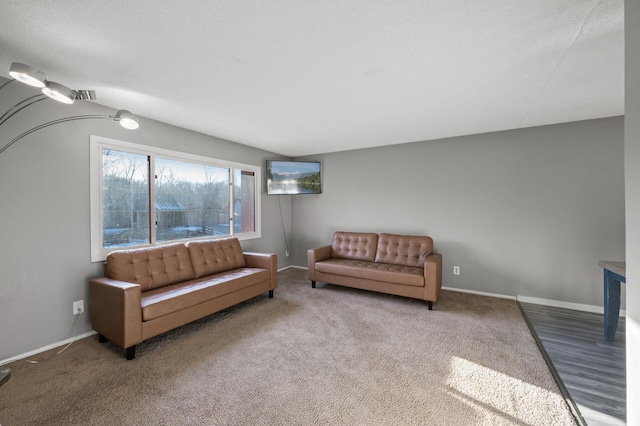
(78, 307)
(286, 253)
(456, 270)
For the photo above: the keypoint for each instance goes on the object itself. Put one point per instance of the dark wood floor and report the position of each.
(591, 369)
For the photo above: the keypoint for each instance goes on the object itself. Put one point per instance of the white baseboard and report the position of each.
(46, 348)
(559, 304)
(293, 267)
(480, 293)
(566, 305)
(298, 267)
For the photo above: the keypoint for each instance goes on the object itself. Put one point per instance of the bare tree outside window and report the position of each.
(125, 199)
(192, 200)
(150, 196)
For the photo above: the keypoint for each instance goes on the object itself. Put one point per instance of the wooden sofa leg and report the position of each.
(131, 352)
(313, 284)
(270, 294)
(101, 338)
(430, 305)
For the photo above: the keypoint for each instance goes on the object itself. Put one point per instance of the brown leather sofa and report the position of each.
(148, 291)
(403, 265)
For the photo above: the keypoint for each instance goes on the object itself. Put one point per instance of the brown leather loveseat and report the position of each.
(148, 291)
(402, 265)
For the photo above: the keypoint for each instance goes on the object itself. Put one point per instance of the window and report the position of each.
(143, 196)
(125, 199)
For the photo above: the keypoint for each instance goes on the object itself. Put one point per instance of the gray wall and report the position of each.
(526, 212)
(44, 213)
(632, 187)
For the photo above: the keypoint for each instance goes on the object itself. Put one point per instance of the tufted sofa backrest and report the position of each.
(213, 256)
(151, 267)
(406, 250)
(354, 245)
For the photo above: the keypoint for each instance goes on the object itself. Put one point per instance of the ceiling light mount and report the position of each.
(85, 95)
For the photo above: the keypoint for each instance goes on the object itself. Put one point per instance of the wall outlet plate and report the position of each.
(78, 307)
(456, 270)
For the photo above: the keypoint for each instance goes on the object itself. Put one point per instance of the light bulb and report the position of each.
(127, 120)
(28, 75)
(59, 92)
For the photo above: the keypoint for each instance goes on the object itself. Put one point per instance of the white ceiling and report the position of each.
(299, 77)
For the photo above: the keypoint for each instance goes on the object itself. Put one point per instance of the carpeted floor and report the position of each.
(329, 355)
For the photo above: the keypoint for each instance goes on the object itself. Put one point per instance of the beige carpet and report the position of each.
(328, 356)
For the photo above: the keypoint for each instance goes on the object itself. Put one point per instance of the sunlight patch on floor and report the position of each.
(495, 393)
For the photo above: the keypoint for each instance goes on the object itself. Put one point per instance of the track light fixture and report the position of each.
(33, 77)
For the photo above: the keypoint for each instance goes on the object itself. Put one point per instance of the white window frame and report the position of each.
(98, 143)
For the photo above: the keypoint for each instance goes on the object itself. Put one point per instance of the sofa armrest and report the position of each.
(116, 310)
(266, 261)
(316, 255)
(432, 277)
